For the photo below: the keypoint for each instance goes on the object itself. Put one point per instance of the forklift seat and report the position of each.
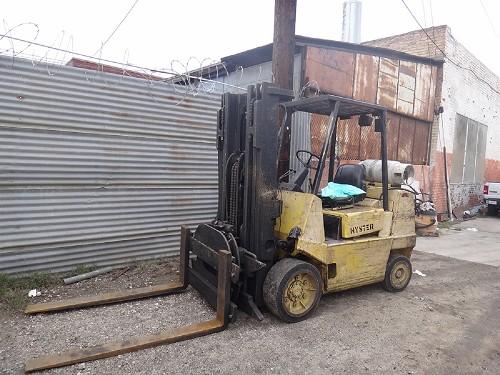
(351, 174)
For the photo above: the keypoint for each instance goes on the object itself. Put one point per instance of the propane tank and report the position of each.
(398, 173)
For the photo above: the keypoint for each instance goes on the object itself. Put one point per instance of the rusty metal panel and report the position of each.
(387, 88)
(407, 67)
(366, 77)
(407, 81)
(420, 143)
(407, 95)
(423, 82)
(405, 141)
(406, 87)
(404, 106)
(432, 94)
(333, 70)
(389, 66)
(392, 135)
(403, 86)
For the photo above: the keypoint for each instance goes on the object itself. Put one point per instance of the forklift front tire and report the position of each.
(292, 290)
(397, 274)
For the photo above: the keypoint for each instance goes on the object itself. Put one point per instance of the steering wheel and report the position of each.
(306, 164)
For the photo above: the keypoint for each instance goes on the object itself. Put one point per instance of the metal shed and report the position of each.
(99, 168)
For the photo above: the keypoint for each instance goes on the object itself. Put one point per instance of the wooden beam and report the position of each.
(284, 42)
(282, 66)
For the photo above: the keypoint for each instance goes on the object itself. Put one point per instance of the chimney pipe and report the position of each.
(351, 22)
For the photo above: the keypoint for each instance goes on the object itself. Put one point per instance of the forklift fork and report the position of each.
(217, 324)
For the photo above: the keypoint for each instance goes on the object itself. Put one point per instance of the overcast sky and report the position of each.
(159, 32)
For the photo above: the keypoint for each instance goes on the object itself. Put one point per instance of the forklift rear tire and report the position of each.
(397, 274)
(292, 289)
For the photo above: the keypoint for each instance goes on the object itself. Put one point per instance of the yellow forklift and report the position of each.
(277, 242)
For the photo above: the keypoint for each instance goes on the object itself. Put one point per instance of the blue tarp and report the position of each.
(334, 190)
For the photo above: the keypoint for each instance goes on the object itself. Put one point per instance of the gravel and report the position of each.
(446, 322)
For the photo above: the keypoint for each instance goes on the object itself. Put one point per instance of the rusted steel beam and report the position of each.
(224, 287)
(126, 295)
(184, 256)
(148, 341)
(105, 298)
(126, 346)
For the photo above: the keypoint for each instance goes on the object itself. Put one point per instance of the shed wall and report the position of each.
(97, 168)
(407, 88)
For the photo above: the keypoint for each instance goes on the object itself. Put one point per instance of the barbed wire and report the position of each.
(10, 30)
(191, 78)
(116, 27)
(307, 87)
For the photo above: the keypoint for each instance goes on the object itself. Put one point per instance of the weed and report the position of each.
(14, 290)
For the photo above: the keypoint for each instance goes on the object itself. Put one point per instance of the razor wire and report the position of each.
(188, 78)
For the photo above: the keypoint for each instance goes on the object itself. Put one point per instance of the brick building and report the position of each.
(409, 75)
(470, 127)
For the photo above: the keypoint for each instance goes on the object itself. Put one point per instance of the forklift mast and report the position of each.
(248, 204)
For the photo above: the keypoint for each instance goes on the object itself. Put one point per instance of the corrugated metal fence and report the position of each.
(97, 168)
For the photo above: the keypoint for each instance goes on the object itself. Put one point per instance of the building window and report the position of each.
(469, 147)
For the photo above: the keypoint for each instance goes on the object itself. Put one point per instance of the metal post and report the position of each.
(332, 124)
(385, 175)
(446, 181)
(331, 164)
(184, 256)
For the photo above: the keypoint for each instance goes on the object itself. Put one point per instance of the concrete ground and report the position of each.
(476, 240)
(447, 322)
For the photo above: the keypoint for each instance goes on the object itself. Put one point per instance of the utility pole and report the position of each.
(283, 54)
(284, 42)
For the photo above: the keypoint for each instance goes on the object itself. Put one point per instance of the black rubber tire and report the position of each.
(492, 210)
(394, 260)
(276, 281)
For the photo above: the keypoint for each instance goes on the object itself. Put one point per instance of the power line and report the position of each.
(432, 24)
(162, 71)
(425, 24)
(446, 56)
(489, 19)
(117, 27)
